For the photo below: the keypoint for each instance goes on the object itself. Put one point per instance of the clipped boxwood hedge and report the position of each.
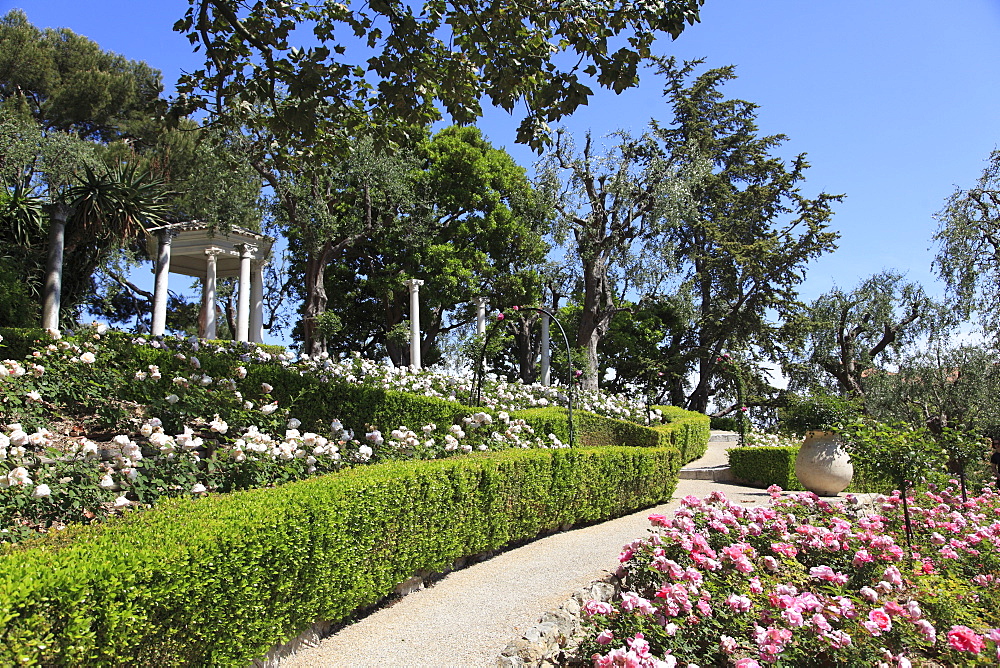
(765, 465)
(220, 580)
(686, 431)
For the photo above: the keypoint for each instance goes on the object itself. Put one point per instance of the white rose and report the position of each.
(198, 488)
(41, 491)
(88, 357)
(172, 398)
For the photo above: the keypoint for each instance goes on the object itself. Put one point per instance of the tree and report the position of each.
(417, 60)
(854, 333)
(469, 229)
(617, 207)
(968, 240)
(752, 232)
(68, 84)
(940, 387)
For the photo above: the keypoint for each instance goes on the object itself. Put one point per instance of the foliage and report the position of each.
(468, 226)
(419, 62)
(765, 465)
(861, 331)
(968, 256)
(818, 411)
(745, 249)
(806, 583)
(66, 83)
(124, 592)
(616, 207)
(942, 387)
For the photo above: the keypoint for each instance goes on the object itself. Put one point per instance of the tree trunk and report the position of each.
(52, 295)
(313, 340)
(398, 352)
(598, 309)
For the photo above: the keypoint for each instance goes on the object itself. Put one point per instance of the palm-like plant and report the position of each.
(103, 210)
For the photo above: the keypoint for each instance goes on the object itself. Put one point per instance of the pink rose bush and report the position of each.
(806, 582)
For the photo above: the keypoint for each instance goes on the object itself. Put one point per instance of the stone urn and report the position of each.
(823, 465)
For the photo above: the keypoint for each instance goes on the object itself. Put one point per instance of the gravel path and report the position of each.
(469, 616)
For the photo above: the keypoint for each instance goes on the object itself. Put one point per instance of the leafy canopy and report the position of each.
(398, 62)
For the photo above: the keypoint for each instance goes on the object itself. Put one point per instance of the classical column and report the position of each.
(414, 285)
(257, 301)
(52, 294)
(208, 300)
(159, 325)
(480, 315)
(247, 253)
(546, 375)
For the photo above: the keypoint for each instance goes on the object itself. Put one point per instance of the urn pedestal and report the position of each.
(823, 465)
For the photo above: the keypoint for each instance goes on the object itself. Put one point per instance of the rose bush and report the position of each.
(805, 582)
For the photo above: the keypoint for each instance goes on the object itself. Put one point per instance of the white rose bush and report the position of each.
(176, 415)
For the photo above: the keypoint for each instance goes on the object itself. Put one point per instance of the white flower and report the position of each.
(140, 375)
(195, 362)
(267, 409)
(121, 502)
(89, 449)
(172, 398)
(88, 358)
(218, 425)
(266, 388)
(241, 372)
(34, 395)
(107, 482)
(101, 328)
(198, 488)
(206, 380)
(53, 333)
(41, 491)
(294, 423)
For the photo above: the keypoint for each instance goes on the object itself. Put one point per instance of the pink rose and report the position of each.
(747, 663)
(964, 639)
(880, 618)
(605, 637)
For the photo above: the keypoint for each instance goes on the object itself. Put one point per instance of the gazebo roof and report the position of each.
(193, 238)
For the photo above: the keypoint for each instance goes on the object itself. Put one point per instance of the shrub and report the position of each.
(817, 411)
(765, 465)
(220, 580)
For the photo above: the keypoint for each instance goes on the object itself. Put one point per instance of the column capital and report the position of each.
(213, 252)
(247, 250)
(167, 236)
(414, 283)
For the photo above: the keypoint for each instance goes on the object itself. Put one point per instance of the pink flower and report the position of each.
(593, 607)
(880, 618)
(727, 644)
(747, 663)
(964, 639)
(605, 637)
(927, 630)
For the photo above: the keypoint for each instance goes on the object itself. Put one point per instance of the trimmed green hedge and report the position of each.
(220, 580)
(765, 465)
(18, 342)
(686, 431)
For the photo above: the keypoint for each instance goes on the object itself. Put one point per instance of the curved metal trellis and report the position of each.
(477, 373)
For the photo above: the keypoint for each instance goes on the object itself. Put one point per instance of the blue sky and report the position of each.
(894, 101)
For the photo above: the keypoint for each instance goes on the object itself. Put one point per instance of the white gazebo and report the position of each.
(194, 249)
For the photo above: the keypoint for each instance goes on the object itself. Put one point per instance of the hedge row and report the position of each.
(220, 580)
(686, 431)
(765, 465)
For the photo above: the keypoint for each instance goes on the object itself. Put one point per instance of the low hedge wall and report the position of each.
(220, 580)
(686, 431)
(765, 465)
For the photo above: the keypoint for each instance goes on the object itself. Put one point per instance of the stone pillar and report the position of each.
(414, 285)
(546, 375)
(159, 325)
(480, 315)
(257, 301)
(52, 291)
(247, 253)
(209, 288)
